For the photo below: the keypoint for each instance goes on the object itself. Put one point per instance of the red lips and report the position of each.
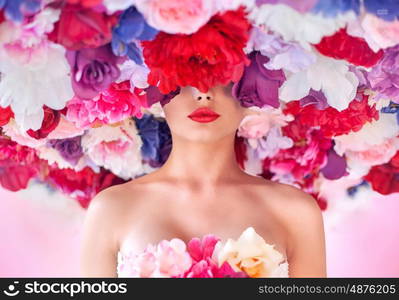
(203, 115)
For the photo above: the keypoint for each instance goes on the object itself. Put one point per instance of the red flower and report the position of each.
(82, 185)
(50, 122)
(85, 3)
(385, 178)
(240, 150)
(211, 56)
(5, 115)
(81, 27)
(18, 164)
(353, 49)
(331, 121)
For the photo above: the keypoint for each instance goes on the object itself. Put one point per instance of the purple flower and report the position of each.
(384, 9)
(258, 86)
(335, 167)
(132, 27)
(15, 10)
(157, 140)
(384, 77)
(331, 8)
(70, 149)
(154, 95)
(93, 70)
(315, 97)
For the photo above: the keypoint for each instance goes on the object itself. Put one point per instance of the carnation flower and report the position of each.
(258, 86)
(91, 28)
(18, 165)
(176, 16)
(115, 104)
(82, 185)
(384, 77)
(211, 56)
(93, 70)
(331, 121)
(353, 49)
(124, 38)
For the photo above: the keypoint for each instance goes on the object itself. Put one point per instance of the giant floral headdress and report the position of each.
(83, 82)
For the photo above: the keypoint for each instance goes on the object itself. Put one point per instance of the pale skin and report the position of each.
(200, 190)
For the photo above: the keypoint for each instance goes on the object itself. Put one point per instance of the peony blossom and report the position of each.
(252, 255)
(115, 104)
(176, 16)
(211, 56)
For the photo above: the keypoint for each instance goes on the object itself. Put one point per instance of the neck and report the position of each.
(205, 163)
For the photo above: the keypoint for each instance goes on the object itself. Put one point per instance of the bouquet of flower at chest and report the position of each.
(209, 257)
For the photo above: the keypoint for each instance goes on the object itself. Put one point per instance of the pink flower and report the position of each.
(176, 16)
(385, 34)
(115, 104)
(204, 263)
(166, 259)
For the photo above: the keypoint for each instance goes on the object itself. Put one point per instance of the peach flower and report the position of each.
(176, 16)
(251, 254)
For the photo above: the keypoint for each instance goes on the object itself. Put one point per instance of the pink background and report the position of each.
(40, 237)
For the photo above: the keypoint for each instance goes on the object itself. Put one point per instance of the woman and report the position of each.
(199, 190)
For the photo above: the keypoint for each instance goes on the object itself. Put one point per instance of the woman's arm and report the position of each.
(99, 243)
(306, 239)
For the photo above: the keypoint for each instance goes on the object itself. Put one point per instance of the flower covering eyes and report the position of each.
(211, 56)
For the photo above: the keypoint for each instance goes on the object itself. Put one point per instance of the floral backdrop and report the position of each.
(83, 82)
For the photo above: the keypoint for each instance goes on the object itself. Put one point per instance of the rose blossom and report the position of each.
(176, 16)
(93, 70)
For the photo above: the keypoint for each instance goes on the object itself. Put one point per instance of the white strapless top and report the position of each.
(248, 256)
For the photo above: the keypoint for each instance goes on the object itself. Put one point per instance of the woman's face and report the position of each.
(220, 114)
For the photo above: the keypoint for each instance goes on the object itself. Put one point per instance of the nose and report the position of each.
(199, 96)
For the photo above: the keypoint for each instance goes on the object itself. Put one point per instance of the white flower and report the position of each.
(251, 254)
(39, 76)
(295, 26)
(115, 5)
(116, 148)
(328, 75)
